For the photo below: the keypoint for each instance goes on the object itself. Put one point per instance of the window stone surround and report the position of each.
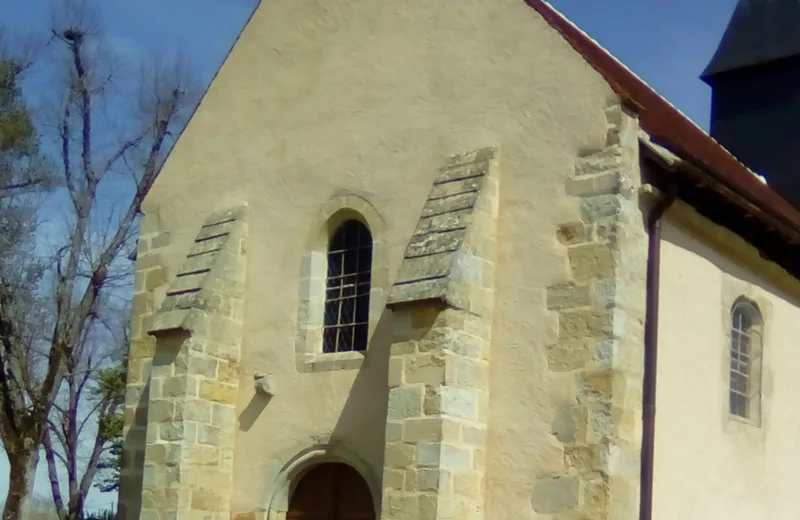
(735, 290)
(313, 277)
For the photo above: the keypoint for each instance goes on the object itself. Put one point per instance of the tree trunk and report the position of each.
(20, 483)
(75, 507)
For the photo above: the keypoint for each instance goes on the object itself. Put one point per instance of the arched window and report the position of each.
(745, 372)
(347, 288)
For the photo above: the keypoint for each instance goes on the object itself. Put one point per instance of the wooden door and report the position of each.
(331, 492)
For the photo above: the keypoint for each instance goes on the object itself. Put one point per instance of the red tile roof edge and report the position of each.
(665, 123)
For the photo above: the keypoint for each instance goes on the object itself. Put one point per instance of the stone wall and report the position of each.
(596, 366)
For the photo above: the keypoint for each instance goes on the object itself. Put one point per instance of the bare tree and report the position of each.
(93, 397)
(56, 338)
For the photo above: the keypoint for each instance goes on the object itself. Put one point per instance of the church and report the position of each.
(454, 261)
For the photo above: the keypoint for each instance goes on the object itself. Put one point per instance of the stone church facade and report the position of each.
(420, 260)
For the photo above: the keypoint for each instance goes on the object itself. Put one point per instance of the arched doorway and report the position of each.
(331, 491)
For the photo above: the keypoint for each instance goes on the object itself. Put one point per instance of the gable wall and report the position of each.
(321, 100)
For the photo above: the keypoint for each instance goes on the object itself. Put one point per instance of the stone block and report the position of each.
(428, 454)
(162, 239)
(591, 261)
(160, 411)
(449, 204)
(434, 243)
(610, 158)
(556, 495)
(597, 385)
(178, 386)
(396, 369)
(405, 402)
(568, 296)
(597, 184)
(428, 507)
(605, 354)
(448, 400)
(445, 222)
(426, 368)
(223, 351)
(175, 431)
(399, 455)
(429, 480)
(600, 421)
(425, 268)
(574, 233)
(605, 293)
(218, 392)
(155, 278)
(592, 458)
(595, 495)
(223, 416)
(142, 348)
(474, 156)
(142, 304)
(207, 434)
(589, 323)
(403, 348)
(196, 410)
(443, 455)
(222, 330)
(422, 430)
(599, 207)
(400, 506)
(227, 372)
(250, 515)
(473, 374)
(569, 355)
(394, 431)
(394, 479)
(569, 424)
(607, 230)
(203, 455)
(468, 344)
(204, 499)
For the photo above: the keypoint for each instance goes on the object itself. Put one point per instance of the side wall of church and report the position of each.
(747, 463)
(355, 105)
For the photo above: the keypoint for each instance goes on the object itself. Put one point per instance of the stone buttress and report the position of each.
(193, 383)
(442, 302)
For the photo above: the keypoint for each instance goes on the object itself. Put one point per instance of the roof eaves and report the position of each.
(673, 130)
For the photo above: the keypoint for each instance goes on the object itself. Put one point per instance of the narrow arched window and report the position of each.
(347, 289)
(745, 372)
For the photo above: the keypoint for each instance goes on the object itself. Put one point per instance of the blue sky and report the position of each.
(666, 42)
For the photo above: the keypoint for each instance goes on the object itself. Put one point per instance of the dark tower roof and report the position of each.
(760, 31)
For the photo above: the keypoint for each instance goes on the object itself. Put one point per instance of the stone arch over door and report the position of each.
(331, 491)
(300, 464)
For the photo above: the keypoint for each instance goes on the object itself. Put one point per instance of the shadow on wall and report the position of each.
(356, 439)
(366, 405)
(689, 242)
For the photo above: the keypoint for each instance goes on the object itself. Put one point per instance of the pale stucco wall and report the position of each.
(368, 97)
(708, 465)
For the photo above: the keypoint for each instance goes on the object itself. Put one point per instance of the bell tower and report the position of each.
(755, 81)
